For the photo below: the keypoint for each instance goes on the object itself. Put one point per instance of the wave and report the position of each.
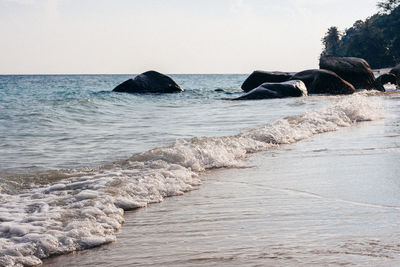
(86, 209)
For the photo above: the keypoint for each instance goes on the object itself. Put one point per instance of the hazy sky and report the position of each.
(171, 36)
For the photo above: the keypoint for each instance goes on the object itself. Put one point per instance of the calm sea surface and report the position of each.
(323, 188)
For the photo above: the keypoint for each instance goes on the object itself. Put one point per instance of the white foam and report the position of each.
(85, 211)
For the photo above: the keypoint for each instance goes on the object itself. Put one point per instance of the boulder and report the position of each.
(320, 81)
(386, 78)
(396, 72)
(354, 70)
(259, 77)
(293, 88)
(149, 82)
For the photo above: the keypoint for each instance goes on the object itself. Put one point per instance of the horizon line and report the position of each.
(54, 74)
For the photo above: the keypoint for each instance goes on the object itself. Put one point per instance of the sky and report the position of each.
(170, 36)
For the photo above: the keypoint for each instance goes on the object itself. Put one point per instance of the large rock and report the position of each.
(354, 70)
(149, 82)
(276, 90)
(324, 82)
(387, 78)
(396, 71)
(259, 77)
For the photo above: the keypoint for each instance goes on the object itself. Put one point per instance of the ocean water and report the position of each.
(75, 156)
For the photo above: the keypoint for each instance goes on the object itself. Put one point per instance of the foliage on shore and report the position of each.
(377, 39)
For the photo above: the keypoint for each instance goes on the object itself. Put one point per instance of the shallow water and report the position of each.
(74, 157)
(330, 200)
(70, 121)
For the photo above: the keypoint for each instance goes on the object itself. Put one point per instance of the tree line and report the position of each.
(376, 39)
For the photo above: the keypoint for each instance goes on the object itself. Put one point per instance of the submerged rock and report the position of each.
(149, 82)
(354, 70)
(320, 81)
(293, 88)
(386, 78)
(259, 77)
(396, 72)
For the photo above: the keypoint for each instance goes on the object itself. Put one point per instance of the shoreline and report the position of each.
(280, 211)
(343, 112)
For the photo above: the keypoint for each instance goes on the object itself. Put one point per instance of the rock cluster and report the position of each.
(336, 76)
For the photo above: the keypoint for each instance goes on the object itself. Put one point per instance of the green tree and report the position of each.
(388, 5)
(376, 39)
(331, 42)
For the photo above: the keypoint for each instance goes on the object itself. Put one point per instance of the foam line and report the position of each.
(86, 210)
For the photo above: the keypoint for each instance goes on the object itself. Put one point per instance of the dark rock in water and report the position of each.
(324, 82)
(219, 90)
(396, 71)
(354, 70)
(386, 78)
(276, 90)
(149, 82)
(259, 77)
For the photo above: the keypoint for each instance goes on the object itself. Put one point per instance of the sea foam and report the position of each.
(86, 210)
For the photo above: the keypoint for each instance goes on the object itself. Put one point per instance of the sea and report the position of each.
(91, 177)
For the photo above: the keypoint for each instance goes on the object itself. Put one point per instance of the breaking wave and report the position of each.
(86, 209)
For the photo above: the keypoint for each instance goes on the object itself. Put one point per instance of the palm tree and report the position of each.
(331, 42)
